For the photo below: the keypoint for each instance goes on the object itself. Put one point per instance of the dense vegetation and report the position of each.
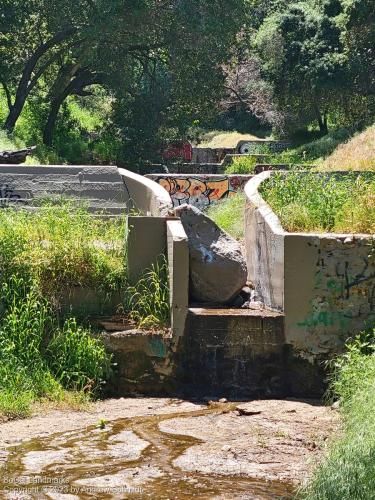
(99, 81)
(322, 202)
(348, 471)
(44, 350)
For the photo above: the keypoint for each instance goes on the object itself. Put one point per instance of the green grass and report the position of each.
(244, 165)
(147, 301)
(312, 202)
(348, 470)
(62, 246)
(229, 215)
(41, 255)
(45, 356)
(38, 358)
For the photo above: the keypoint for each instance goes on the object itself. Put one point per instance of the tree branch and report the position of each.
(7, 94)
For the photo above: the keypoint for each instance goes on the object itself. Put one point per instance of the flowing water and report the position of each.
(129, 458)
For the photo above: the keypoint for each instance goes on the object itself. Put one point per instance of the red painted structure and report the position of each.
(178, 149)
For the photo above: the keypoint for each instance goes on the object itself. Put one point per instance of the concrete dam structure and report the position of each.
(316, 291)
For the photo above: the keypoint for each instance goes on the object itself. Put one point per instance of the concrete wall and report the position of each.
(199, 190)
(210, 155)
(324, 283)
(234, 353)
(185, 168)
(178, 261)
(147, 240)
(99, 187)
(329, 289)
(144, 195)
(257, 146)
(264, 245)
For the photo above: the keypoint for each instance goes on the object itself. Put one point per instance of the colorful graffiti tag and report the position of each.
(200, 191)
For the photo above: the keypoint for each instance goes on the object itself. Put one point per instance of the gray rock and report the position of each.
(217, 267)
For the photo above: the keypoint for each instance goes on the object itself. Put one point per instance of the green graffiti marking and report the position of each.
(325, 318)
(157, 347)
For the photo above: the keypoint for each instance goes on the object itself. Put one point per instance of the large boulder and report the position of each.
(217, 267)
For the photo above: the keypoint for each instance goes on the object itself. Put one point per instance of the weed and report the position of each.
(102, 423)
(147, 302)
(62, 246)
(242, 165)
(229, 215)
(76, 359)
(348, 470)
(322, 202)
(36, 363)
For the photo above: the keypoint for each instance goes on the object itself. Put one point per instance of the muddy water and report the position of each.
(129, 458)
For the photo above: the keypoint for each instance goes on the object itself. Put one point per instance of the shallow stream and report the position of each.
(129, 458)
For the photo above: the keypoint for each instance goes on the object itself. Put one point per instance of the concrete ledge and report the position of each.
(324, 283)
(100, 188)
(144, 195)
(178, 260)
(142, 363)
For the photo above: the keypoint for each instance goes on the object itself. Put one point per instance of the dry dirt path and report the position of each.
(164, 449)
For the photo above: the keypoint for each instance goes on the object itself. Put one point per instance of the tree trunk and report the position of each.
(81, 80)
(27, 82)
(322, 122)
(15, 111)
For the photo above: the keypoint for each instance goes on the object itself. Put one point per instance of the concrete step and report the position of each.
(234, 352)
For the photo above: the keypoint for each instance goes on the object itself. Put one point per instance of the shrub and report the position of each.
(242, 165)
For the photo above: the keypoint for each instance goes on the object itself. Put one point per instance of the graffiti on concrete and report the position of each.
(344, 289)
(200, 191)
(8, 196)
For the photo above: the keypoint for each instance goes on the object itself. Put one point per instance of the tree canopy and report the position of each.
(157, 67)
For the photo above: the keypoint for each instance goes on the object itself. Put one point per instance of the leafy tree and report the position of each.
(359, 39)
(303, 56)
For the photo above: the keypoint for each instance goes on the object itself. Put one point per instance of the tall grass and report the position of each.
(38, 359)
(41, 255)
(229, 215)
(348, 471)
(358, 153)
(322, 202)
(61, 246)
(147, 302)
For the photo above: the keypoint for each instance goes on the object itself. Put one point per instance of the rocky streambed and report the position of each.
(164, 449)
